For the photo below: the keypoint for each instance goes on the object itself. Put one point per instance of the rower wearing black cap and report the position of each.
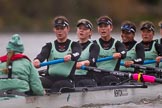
(160, 40)
(108, 47)
(160, 28)
(89, 53)
(153, 50)
(135, 51)
(61, 74)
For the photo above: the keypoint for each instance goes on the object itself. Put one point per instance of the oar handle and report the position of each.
(122, 63)
(83, 67)
(52, 62)
(105, 58)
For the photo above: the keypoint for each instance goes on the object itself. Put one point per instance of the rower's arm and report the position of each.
(44, 54)
(140, 54)
(76, 51)
(158, 48)
(94, 52)
(121, 49)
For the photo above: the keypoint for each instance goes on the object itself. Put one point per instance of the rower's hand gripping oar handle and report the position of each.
(52, 62)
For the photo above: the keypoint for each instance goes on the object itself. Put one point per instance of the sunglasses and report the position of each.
(128, 28)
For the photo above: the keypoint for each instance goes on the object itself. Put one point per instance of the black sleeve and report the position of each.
(94, 52)
(44, 54)
(158, 48)
(76, 51)
(120, 48)
(140, 54)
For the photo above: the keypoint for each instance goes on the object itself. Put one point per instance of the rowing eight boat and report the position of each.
(85, 96)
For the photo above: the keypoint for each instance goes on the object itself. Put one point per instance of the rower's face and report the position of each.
(147, 35)
(161, 31)
(83, 32)
(104, 30)
(127, 36)
(61, 32)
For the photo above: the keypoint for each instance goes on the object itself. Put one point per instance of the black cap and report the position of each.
(128, 27)
(86, 23)
(148, 25)
(61, 22)
(104, 20)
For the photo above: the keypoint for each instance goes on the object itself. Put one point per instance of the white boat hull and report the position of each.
(78, 99)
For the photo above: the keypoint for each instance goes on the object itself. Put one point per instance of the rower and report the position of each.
(88, 56)
(160, 41)
(62, 74)
(153, 50)
(135, 51)
(108, 47)
(160, 29)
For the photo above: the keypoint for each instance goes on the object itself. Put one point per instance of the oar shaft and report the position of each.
(62, 60)
(52, 62)
(94, 69)
(158, 80)
(149, 61)
(105, 59)
(154, 69)
(144, 78)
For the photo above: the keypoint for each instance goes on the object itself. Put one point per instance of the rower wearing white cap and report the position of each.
(135, 51)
